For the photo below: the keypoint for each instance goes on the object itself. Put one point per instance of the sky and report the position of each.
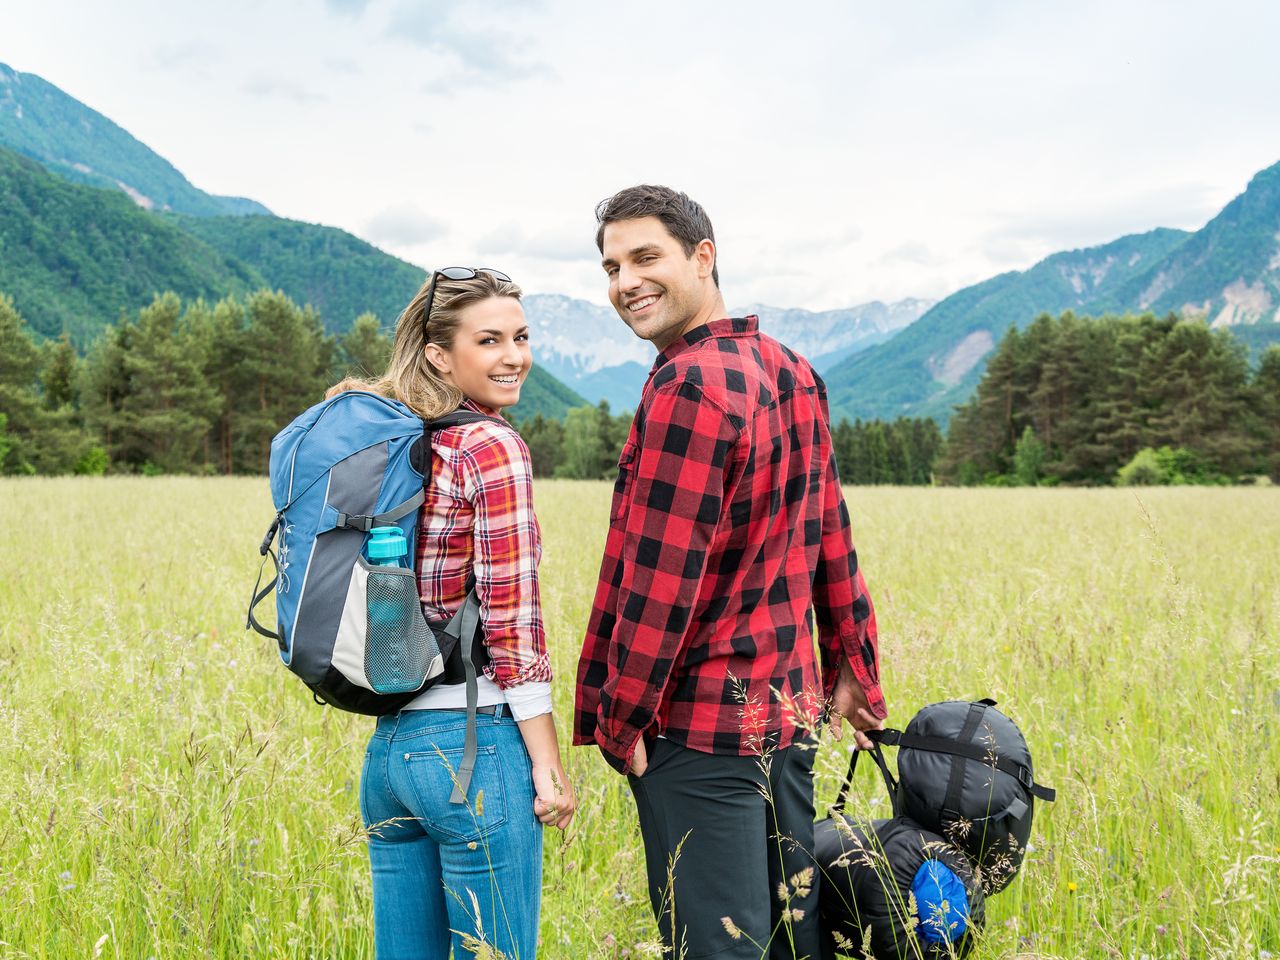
(845, 151)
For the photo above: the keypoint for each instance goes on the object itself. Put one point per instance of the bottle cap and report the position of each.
(387, 543)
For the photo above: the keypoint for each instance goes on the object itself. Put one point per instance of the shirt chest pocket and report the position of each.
(626, 480)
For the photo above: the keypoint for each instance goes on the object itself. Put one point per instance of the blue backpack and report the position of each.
(353, 630)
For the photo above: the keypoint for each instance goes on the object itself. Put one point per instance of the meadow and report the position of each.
(169, 790)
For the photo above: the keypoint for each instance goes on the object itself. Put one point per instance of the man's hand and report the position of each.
(849, 702)
(639, 759)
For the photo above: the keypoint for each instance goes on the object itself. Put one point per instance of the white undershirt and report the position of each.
(526, 700)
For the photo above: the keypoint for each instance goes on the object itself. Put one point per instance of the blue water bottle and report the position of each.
(392, 597)
(387, 545)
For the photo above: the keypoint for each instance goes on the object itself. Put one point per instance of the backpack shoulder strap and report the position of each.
(458, 418)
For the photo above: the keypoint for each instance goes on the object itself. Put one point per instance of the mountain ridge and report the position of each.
(50, 126)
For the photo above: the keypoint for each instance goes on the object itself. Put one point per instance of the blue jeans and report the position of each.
(441, 870)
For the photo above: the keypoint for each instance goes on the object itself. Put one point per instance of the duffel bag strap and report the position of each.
(878, 756)
(467, 620)
(969, 751)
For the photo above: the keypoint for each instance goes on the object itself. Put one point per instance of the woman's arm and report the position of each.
(553, 802)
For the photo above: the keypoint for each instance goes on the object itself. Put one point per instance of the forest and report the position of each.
(201, 388)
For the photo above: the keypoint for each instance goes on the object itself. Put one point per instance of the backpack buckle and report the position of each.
(1025, 778)
(361, 523)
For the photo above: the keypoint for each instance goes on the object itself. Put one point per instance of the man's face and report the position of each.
(656, 289)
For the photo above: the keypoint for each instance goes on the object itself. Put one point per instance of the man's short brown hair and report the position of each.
(684, 218)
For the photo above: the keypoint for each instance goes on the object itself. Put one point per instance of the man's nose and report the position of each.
(628, 278)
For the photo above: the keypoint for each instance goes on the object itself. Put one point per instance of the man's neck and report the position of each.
(713, 309)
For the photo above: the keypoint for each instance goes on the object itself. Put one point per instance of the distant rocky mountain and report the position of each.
(1227, 272)
(589, 348)
(826, 337)
(44, 123)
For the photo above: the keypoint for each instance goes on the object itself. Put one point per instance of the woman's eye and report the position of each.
(522, 337)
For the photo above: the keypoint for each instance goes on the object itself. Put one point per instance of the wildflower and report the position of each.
(1071, 887)
(731, 928)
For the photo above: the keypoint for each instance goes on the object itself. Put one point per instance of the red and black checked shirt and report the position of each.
(478, 515)
(728, 527)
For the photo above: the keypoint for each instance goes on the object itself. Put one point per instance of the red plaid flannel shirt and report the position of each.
(478, 514)
(728, 531)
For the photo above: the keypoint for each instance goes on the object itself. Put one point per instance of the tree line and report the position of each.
(1118, 399)
(194, 388)
(202, 388)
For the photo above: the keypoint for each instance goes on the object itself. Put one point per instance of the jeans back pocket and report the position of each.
(431, 774)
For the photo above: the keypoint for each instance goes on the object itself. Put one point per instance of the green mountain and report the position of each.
(1228, 272)
(938, 360)
(337, 273)
(39, 120)
(74, 257)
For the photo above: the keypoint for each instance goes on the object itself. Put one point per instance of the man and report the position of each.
(728, 533)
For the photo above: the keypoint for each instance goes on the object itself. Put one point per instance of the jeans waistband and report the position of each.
(389, 722)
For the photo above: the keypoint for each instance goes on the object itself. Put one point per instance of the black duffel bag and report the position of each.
(964, 771)
(891, 889)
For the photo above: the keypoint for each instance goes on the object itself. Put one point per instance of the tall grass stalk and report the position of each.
(167, 789)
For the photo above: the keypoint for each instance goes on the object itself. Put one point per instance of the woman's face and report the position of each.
(490, 357)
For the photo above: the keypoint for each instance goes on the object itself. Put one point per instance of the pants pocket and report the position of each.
(431, 774)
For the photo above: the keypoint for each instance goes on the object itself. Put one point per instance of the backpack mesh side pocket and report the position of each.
(400, 653)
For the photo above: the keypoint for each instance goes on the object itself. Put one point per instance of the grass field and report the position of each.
(167, 789)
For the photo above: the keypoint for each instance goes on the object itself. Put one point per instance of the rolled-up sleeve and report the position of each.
(498, 481)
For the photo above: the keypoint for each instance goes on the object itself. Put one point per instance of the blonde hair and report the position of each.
(410, 376)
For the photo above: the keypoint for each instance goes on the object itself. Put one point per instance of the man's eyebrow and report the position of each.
(633, 252)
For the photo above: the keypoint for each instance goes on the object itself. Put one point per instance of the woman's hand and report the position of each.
(553, 801)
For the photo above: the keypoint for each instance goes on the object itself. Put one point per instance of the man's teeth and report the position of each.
(641, 304)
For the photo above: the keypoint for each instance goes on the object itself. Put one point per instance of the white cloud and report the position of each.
(858, 152)
(404, 225)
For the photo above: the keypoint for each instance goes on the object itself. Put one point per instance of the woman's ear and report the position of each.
(437, 357)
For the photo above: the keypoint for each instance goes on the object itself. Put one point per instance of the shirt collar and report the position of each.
(747, 326)
(469, 404)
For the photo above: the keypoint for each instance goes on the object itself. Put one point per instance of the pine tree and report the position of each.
(583, 449)
(170, 407)
(1264, 394)
(545, 439)
(364, 350)
(19, 398)
(60, 374)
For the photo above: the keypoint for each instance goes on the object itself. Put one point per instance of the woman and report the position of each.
(473, 869)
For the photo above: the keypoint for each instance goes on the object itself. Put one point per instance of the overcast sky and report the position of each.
(846, 151)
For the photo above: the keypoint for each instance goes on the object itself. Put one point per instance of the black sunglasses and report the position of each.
(454, 273)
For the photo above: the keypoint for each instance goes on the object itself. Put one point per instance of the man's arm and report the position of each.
(846, 620)
(684, 463)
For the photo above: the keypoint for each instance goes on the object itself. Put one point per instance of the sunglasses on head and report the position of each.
(454, 273)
